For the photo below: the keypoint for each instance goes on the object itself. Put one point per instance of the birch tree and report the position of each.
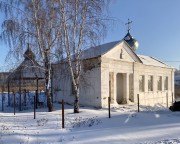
(35, 22)
(68, 26)
(82, 27)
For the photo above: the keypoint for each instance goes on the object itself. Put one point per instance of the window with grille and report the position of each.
(166, 83)
(150, 83)
(141, 83)
(159, 83)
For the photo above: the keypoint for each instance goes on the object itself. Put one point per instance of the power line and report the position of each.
(172, 61)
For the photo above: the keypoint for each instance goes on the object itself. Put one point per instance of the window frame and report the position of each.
(150, 83)
(166, 83)
(141, 80)
(159, 83)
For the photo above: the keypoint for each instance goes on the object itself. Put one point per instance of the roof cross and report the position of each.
(128, 23)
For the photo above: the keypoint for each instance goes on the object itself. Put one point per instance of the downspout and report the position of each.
(133, 83)
(172, 84)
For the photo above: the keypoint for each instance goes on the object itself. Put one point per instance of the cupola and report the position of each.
(132, 42)
(29, 54)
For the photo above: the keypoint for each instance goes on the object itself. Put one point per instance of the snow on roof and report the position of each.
(147, 60)
(102, 49)
(98, 50)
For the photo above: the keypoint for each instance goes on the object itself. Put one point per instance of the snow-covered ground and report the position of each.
(152, 125)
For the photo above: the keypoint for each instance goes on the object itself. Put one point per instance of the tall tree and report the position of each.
(35, 22)
(54, 27)
(82, 26)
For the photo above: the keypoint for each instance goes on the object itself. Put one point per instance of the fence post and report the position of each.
(167, 99)
(62, 113)
(138, 101)
(14, 102)
(36, 99)
(3, 97)
(20, 100)
(8, 95)
(2, 101)
(25, 101)
(35, 107)
(109, 106)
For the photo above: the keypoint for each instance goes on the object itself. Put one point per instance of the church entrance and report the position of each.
(120, 88)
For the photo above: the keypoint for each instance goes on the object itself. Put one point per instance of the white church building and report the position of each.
(115, 70)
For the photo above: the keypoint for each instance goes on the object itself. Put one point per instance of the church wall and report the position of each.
(61, 83)
(131, 72)
(90, 89)
(90, 94)
(119, 53)
(155, 97)
(94, 88)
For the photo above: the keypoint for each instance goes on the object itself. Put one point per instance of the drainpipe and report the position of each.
(172, 83)
(133, 82)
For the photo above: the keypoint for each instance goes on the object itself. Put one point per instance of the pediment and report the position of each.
(122, 52)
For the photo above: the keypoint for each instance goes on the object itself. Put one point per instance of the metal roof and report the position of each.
(148, 60)
(29, 69)
(98, 50)
(102, 49)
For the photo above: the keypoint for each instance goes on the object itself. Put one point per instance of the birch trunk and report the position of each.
(76, 101)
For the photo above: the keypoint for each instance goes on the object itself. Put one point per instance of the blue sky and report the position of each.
(156, 26)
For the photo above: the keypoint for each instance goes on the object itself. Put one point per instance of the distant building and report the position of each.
(177, 83)
(177, 77)
(27, 74)
(115, 70)
(3, 79)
